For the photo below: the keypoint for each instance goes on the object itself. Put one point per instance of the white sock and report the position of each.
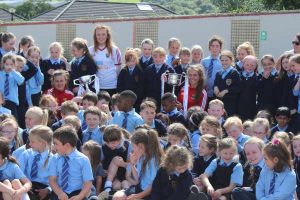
(108, 186)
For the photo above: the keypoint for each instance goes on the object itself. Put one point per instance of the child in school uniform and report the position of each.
(148, 112)
(266, 93)
(207, 153)
(261, 128)
(243, 50)
(282, 117)
(194, 122)
(212, 64)
(27, 71)
(70, 173)
(3, 110)
(15, 185)
(25, 43)
(224, 173)
(126, 117)
(145, 159)
(9, 130)
(93, 151)
(234, 129)
(34, 162)
(216, 109)
(210, 125)
(173, 179)
(174, 45)
(153, 76)
(146, 58)
(131, 77)
(7, 43)
(34, 116)
(177, 134)
(54, 62)
(88, 99)
(248, 88)
(253, 149)
(92, 116)
(296, 161)
(227, 83)
(115, 156)
(10, 79)
(107, 57)
(49, 102)
(277, 179)
(196, 54)
(169, 102)
(295, 65)
(82, 64)
(67, 108)
(34, 84)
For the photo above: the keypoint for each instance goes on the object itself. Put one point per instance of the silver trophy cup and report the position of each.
(84, 81)
(174, 79)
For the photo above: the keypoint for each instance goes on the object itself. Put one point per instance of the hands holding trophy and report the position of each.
(83, 83)
(173, 79)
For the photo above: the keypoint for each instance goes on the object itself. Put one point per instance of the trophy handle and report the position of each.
(76, 82)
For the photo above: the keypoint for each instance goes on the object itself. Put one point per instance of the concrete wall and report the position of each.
(280, 27)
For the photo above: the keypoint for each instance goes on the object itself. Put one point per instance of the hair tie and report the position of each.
(275, 141)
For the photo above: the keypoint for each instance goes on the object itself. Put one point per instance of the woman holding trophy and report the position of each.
(108, 59)
(193, 92)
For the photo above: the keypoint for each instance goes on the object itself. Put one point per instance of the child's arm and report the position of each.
(18, 77)
(206, 183)
(84, 192)
(39, 76)
(22, 189)
(59, 192)
(30, 72)
(225, 190)
(140, 195)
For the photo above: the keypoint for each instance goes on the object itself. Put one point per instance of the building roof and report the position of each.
(5, 16)
(87, 10)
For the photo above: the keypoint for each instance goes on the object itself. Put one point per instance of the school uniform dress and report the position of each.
(34, 166)
(11, 171)
(212, 66)
(172, 186)
(144, 62)
(147, 177)
(195, 139)
(192, 98)
(72, 171)
(283, 184)
(222, 174)
(247, 97)
(107, 67)
(132, 78)
(229, 79)
(284, 91)
(48, 64)
(9, 83)
(266, 94)
(153, 82)
(80, 67)
(201, 163)
(176, 116)
(128, 120)
(251, 176)
(93, 134)
(28, 72)
(107, 154)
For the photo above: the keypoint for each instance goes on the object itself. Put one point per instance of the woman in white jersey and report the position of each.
(107, 57)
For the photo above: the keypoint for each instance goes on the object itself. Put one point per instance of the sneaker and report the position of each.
(103, 195)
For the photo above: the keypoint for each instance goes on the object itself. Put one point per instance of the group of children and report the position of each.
(230, 134)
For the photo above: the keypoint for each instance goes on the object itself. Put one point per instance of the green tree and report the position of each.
(282, 4)
(4, 6)
(239, 6)
(31, 8)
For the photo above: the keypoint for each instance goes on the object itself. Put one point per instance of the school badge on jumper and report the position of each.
(228, 82)
(84, 67)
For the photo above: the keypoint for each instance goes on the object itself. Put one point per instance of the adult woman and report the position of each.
(107, 57)
(296, 45)
(196, 95)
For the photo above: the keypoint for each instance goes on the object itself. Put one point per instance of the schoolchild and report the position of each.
(243, 50)
(7, 43)
(174, 45)
(92, 116)
(146, 58)
(169, 102)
